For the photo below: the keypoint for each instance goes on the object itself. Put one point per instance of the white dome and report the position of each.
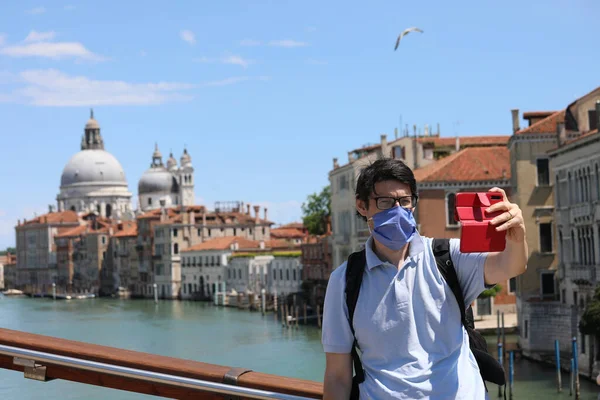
(157, 180)
(96, 167)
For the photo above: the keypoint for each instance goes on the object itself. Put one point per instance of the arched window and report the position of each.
(176, 248)
(108, 210)
(450, 208)
(73, 208)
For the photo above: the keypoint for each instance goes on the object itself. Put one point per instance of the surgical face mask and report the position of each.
(393, 228)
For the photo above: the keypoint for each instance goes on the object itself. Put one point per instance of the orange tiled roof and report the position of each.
(289, 233)
(546, 125)
(468, 165)
(580, 137)
(72, 232)
(224, 243)
(279, 244)
(466, 140)
(292, 225)
(537, 114)
(129, 228)
(54, 218)
(8, 259)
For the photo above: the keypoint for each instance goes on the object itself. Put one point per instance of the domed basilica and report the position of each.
(94, 181)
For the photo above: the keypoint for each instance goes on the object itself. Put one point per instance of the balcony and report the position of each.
(583, 273)
(579, 211)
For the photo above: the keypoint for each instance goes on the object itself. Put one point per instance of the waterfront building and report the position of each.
(169, 185)
(36, 249)
(9, 263)
(120, 271)
(556, 157)
(94, 180)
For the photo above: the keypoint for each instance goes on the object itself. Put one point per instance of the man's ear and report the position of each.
(361, 207)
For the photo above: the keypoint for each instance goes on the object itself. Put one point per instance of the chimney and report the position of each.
(384, 146)
(203, 218)
(18, 222)
(457, 145)
(561, 134)
(426, 130)
(266, 214)
(247, 209)
(335, 163)
(396, 133)
(192, 217)
(110, 231)
(515, 119)
(415, 130)
(438, 129)
(256, 210)
(120, 226)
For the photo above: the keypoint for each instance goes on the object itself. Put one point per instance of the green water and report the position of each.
(200, 332)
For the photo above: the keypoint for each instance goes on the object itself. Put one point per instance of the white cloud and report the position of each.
(36, 10)
(35, 36)
(52, 88)
(69, 7)
(234, 80)
(316, 62)
(188, 36)
(250, 42)
(287, 43)
(55, 88)
(230, 59)
(282, 212)
(51, 50)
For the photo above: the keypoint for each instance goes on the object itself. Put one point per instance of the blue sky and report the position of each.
(265, 93)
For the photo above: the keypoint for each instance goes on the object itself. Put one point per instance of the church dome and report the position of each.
(157, 180)
(94, 167)
(171, 162)
(186, 160)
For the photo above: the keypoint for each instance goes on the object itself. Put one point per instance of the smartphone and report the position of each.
(477, 234)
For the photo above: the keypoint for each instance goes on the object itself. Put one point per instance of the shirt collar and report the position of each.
(416, 247)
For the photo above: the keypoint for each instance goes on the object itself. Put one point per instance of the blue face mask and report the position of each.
(394, 228)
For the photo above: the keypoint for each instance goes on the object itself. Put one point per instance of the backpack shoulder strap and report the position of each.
(355, 269)
(441, 251)
(354, 274)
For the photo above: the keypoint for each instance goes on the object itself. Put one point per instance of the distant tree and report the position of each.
(316, 211)
(590, 320)
(10, 250)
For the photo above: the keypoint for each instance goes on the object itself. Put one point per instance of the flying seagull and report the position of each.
(406, 32)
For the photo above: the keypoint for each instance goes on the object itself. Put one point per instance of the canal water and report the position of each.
(201, 332)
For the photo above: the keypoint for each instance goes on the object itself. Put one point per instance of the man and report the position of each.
(407, 323)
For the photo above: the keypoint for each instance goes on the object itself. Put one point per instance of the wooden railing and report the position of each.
(45, 358)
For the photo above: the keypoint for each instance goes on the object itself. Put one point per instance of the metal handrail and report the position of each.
(142, 375)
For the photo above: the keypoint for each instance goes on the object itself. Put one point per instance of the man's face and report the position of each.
(387, 194)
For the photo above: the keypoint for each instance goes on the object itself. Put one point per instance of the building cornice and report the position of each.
(575, 145)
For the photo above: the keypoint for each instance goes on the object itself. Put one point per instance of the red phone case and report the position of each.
(478, 235)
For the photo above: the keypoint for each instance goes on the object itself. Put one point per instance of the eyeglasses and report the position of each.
(385, 203)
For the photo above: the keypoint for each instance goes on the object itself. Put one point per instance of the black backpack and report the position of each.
(491, 370)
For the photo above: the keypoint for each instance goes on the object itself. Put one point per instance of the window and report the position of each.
(428, 154)
(547, 284)
(294, 275)
(512, 285)
(450, 206)
(575, 298)
(234, 231)
(175, 232)
(274, 274)
(343, 182)
(280, 274)
(149, 201)
(563, 297)
(543, 172)
(582, 343)
(593, 119)
(545, 237)
(526, 330)
(399, 152)
(103, 239)
(287, 274)
(176, 248)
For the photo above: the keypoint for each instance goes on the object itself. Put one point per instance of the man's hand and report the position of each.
(511, 220)
(499, 267)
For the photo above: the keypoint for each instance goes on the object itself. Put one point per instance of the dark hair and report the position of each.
(386, 169)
